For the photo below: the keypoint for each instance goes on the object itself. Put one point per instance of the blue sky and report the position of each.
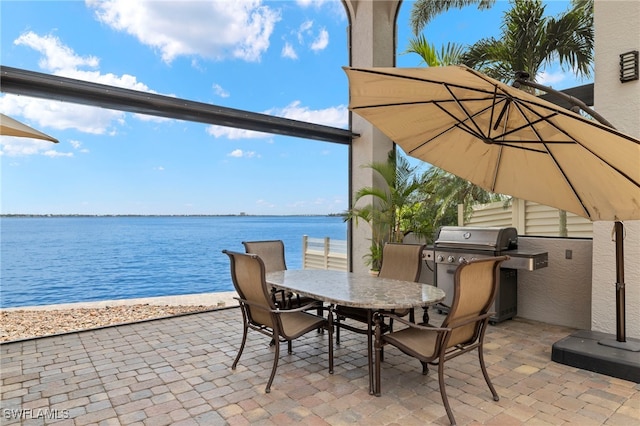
(277, 57)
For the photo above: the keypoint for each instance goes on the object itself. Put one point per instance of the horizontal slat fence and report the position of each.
(528, 218)
(324, 253)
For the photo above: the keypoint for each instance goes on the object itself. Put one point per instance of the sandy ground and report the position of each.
(35, 321)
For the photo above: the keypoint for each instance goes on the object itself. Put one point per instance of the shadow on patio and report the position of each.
(177, 371)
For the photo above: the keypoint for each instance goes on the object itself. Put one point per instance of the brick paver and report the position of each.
(177, 371)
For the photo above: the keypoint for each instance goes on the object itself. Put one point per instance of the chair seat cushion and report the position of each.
(296, 324)
(415, 342)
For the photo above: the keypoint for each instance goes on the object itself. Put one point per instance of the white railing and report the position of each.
(324, 253)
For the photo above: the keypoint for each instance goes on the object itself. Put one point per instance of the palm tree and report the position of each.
(442, 192)
(432, 57)
(424, 11)
(530, 41)
(392, 207)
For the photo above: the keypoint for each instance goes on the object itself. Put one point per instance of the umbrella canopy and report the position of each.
(502, 139)
(11, 127)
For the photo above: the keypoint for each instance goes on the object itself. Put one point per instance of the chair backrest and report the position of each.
(248, 276)
(401, 261)
(271, 252)
(475, 287)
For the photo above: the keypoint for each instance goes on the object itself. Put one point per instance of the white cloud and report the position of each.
(17, 147)
(59, 59)
(238, 153)
(238, 29)
(305, 28)
(321, 42)
(337, 116)
(218, 90)
(56, 56)
(550, 79)
(77, 145)
(334, 6)
(233, 133)
(288, 51)
(306, 37)
(60, 115)
(52, 153)
(265, 203)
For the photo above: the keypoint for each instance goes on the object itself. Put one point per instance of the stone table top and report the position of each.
(356, 290)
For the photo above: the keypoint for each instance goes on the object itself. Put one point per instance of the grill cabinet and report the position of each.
(455, 244)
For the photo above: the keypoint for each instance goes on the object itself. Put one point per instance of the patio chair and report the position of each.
(463, 329)
(399, 262)
(261, 314)
(272, 254)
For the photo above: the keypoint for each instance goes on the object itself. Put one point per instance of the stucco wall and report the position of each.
(372, 36)
(560, 293)
(616, 31)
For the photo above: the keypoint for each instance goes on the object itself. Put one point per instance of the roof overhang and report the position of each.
(584, 93)
(38, 85)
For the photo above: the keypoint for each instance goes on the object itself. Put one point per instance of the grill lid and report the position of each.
(476, 238)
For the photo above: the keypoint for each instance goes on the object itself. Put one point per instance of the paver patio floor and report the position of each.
(176, 371)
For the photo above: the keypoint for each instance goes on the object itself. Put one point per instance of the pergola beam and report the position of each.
(29, 83)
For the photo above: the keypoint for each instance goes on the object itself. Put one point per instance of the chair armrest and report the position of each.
(306, 307)
(278, 310)
(463, 322)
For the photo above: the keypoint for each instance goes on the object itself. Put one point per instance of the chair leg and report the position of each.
(244, 340)
(378, 361)
(337, 329)
(370, 350)
(443, 392)
(425, 368)
(486, 374)
(320, 330)
(289, 347)
(330, 329)
(275, 364)
(425, 315)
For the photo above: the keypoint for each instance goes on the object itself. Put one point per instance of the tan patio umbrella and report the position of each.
(11, 127)
(505, 140)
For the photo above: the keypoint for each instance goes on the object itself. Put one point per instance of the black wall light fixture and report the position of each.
(629, 66)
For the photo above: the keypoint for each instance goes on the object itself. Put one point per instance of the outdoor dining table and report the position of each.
(356, 290)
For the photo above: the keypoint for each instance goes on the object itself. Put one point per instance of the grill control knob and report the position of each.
(462, 259)
(440, 258)
(451, 259)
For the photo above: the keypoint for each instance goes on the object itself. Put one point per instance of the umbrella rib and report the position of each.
(572, 140)
(550, 153)
(455, 99)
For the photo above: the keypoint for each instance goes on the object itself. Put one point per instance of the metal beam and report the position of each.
(584, 93)
(29, 83)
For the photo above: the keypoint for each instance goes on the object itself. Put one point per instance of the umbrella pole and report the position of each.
(621, 339)
(620, 291)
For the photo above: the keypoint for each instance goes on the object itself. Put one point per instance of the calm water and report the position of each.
(50, 260)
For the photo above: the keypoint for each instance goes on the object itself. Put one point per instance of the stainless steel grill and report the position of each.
(454, 244)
